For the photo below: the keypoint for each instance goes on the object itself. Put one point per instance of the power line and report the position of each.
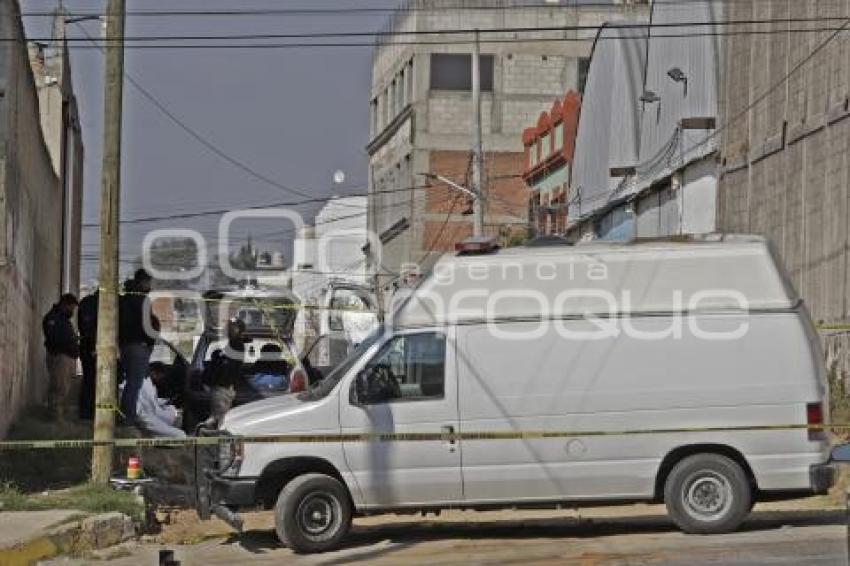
(370, 45)
(453, 31)
(738, 115)
(330, 220)
(370, 10)
(195, 134)
(763, 96)
(221, 211)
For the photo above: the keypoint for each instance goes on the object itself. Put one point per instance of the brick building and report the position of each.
(549, 147)
(421, 118)
(40, 196)
(784, 150)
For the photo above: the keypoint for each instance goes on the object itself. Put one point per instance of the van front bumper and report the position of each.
(233, 492)
(214, 492)
(822, 477)
(220, 496)
(223, 496)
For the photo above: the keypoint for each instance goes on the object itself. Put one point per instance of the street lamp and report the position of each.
(478, 226)
(679, 76)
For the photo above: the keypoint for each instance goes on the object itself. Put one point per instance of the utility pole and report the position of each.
(477, 157)
(107, 327)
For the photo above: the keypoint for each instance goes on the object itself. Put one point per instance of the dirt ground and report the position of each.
(639, 534)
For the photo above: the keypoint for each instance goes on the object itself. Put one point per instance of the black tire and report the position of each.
(707, 494)
(313, 513)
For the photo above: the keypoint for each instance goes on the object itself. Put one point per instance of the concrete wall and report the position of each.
(784, 154)
(60, 124)
(785, 165)
(30, 227)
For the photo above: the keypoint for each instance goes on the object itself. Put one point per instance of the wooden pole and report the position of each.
(477, 154)
(107, 320)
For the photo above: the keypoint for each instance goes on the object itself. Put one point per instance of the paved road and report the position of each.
(781, 538)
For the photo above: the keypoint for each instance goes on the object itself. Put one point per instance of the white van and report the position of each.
(679, 371)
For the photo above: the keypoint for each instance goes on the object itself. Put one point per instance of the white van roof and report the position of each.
(712, 273)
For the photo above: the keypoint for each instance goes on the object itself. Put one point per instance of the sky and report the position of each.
(295, 116)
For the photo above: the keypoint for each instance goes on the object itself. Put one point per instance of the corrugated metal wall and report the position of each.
(608, 130)
(617, 129)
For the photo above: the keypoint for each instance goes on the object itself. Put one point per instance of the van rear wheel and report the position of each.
(707, 494)
(313, 513)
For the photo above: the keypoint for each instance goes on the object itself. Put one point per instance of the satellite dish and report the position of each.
(339, 177)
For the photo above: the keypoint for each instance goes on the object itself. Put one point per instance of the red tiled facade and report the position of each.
(549, 147)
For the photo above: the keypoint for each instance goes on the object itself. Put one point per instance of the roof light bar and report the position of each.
(477, 245)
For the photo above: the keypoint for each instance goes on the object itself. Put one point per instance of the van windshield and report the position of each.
(324, 387)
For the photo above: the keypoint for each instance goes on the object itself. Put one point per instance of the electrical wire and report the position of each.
(194, 134)
(402, 10)
(646, 175)
(221, 211)
(453, 31)
(647, 27)
(347, 45)
(763, 96)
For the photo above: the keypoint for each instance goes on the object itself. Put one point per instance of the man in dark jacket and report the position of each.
(63, 349)
(87, 325)
(137, 330)
(228, 371)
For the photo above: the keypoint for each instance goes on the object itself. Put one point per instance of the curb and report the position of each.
(77, 537)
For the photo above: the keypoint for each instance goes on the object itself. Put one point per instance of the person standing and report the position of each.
(63, 349)
(87, 325)
(137, 330)
(228, 372)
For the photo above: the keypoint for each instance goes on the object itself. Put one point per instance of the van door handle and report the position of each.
(450, 431)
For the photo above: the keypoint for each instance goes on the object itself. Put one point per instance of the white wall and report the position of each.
(699, 197)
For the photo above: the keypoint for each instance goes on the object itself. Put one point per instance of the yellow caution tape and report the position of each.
(248, 300)
(109, 407)
(394, 437)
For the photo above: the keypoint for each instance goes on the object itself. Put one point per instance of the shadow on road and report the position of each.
(399, 535)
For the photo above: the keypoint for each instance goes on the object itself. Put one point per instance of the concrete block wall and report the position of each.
(30, 239)
(535, 74)
(451, 113)
(785, 169)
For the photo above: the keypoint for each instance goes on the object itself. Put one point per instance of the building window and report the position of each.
(532, 155)
(583, 67)
(546, 146)
(559, 136)
(399, 93)
(451, 71)
(408, 82)
(388, 105)
(373, 116)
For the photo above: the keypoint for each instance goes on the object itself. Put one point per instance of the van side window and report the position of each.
(408, 368)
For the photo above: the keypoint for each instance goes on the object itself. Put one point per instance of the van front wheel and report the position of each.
(707, 494)
(313, 513)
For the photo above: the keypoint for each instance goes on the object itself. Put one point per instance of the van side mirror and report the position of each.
(360, 391)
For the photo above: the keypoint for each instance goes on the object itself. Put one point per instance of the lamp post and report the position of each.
(478, 205)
